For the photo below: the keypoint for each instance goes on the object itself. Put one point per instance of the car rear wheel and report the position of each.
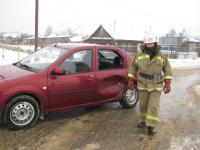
(21, 112)
(129, 98)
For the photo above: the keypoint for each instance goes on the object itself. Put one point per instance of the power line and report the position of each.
(150, 15)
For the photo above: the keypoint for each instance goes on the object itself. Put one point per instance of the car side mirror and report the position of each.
(58, 71)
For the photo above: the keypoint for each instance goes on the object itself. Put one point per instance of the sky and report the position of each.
(122, 18)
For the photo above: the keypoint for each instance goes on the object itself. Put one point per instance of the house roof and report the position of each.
(100, 33)
(57, 35)
(118, 33)
(193, 39)
(13, 35)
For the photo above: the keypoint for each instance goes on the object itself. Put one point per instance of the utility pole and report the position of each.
(3, 48)
(18, 50)
(114, 32)
(36, 23)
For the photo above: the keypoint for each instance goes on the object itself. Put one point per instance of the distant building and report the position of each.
(177, 45)
(187, 55)
(11, 38)
(44, 41)
(191, 45)
(76, 39)
(101, 36)
(1, 36)
(53, 39)
(171, 44)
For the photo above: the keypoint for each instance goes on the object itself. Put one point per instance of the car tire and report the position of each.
(129, 98)
(21, 112)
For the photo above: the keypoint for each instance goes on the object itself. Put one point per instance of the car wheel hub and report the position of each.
(22, 113)
(131, 96)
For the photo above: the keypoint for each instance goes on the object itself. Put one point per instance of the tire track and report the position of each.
(33, 137)
(46, 130)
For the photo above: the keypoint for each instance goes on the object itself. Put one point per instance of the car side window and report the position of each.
(109, 59)
(78, 62)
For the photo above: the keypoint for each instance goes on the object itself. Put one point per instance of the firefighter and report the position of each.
(150, 68)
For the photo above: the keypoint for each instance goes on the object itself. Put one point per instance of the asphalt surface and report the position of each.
(110, 127)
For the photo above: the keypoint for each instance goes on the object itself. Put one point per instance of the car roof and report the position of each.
(73, 45)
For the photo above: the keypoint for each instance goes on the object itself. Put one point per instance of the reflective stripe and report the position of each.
(142, 57)
(167, 77)
(152, 118)
(130, 75)
(149, 117)
(160, 58)
(143, 114)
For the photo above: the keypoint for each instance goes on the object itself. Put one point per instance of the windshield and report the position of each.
(41, 59)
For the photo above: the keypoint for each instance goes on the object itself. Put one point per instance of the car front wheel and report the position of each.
(21, 112)
(129, 98)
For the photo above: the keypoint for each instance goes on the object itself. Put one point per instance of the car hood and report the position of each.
(9, 72)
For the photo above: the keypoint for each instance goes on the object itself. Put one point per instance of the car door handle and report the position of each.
(91, 78)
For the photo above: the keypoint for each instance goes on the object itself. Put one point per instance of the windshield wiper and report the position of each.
(26, 66)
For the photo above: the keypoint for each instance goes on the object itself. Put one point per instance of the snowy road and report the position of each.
(111, 127)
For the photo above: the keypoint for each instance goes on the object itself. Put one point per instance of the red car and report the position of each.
(60, 77)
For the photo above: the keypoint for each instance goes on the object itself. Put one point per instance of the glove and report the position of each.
(167, 86)
(132, 84)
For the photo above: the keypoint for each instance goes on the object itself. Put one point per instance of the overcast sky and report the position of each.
(84, 16)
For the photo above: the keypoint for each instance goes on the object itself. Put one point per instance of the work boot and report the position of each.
(152, 130)
(142, 124)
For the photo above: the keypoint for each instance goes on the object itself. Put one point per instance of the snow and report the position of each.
(54, 35)
(76, 39)
(185, 63)
(12, 56)
(24, 48)
(27, 47)
(192, 39)
(190, 142)
(13, 35)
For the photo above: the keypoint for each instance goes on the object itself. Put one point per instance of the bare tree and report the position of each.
(49, 31)
(183, 33)
(70, 32)
(171, 33)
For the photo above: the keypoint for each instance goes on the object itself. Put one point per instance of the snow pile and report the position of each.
(24, 48)
(185, 63)
(27, 47)
(9, 56)
(180, 143)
